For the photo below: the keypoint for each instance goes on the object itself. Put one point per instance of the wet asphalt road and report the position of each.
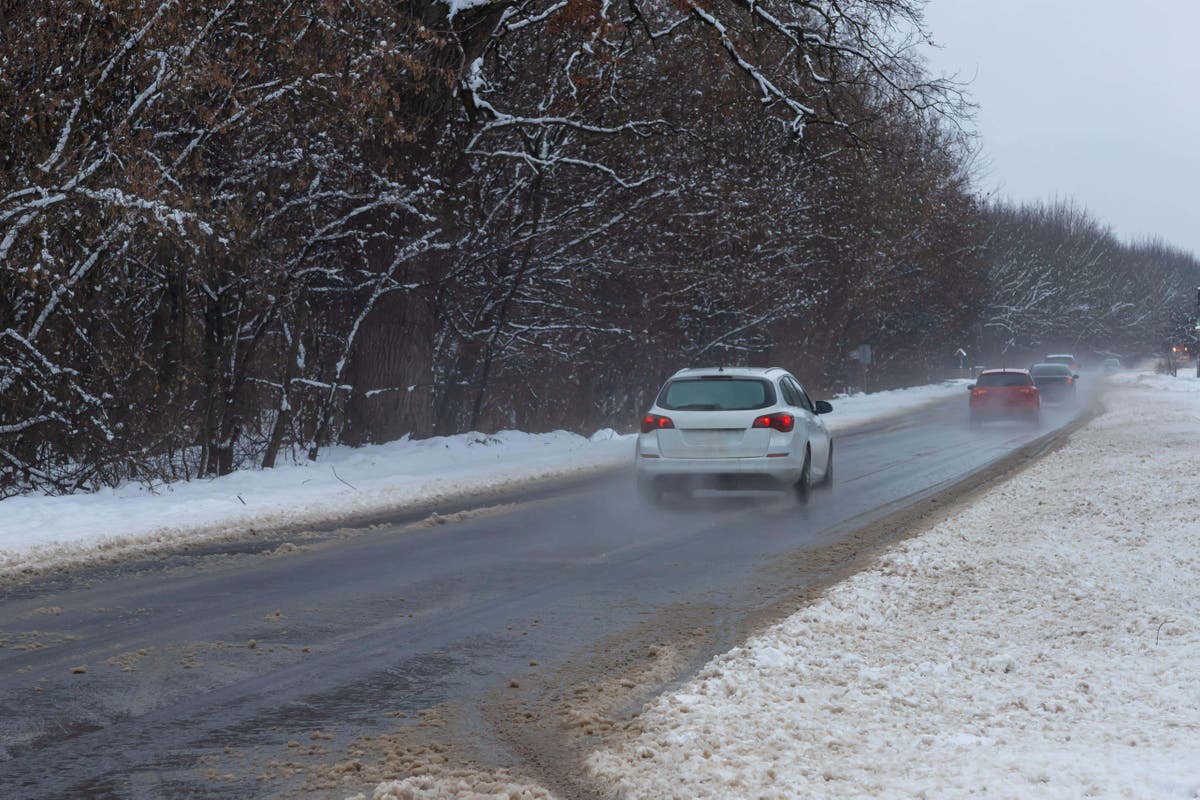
(131, 682)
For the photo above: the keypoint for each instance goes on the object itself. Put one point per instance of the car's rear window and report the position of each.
(716, 394)
(1051, 370)
(1004, 379)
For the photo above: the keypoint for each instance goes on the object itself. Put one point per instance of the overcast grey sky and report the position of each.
(1098, 100)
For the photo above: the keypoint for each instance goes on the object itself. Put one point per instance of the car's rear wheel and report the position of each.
(804, 483)
(827, 481)
(973, 420)
(649, 492)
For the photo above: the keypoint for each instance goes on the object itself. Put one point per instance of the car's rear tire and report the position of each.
(827, 481)
(973, 420)
(649, 492)
(804, 483)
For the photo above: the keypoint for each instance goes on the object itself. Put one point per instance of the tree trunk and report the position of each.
(394, 352)
(283, 414)
(214, 339)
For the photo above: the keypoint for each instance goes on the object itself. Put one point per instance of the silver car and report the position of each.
(735, 428)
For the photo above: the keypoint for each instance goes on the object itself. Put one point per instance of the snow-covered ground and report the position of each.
(41, 531)
(1041, 642)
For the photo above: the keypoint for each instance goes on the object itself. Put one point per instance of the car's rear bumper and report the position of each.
(779, 469)
(1004, 411)
(1005, 406)
(1056, 394)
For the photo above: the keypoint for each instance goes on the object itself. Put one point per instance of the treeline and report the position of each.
(1057, 278)
(233, 233)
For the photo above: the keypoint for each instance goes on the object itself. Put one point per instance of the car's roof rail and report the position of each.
(726, 367)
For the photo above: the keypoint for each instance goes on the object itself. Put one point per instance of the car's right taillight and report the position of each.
(656, 422)
(780, 422)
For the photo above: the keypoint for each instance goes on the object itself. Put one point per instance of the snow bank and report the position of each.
(850, 411)
(1044, 642)
(344, 482)
(1185, 382)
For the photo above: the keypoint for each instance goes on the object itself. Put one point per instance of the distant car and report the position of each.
(733, 427)
(1062, 358)
(1055, 382)
(1005, 393)
(1111, 365)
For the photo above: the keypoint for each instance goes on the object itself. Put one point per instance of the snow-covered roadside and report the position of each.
(345, 482)
(1043, 642)
(851, 411)
(40, 531)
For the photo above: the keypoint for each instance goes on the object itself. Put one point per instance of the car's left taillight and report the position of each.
(656, 422)
(780, 422)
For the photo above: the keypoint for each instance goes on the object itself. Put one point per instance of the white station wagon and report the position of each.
(733, 427)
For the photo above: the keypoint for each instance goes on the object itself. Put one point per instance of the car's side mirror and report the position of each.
(970, 387)
(1076, 377)
(823, 406)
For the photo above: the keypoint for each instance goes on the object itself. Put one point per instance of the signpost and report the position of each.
(862, 354)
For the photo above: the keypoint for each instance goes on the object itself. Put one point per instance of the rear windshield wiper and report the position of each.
(697, 407)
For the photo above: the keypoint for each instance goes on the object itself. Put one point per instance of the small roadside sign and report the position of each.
(862, 354)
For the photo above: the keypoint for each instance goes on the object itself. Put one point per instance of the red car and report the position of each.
(1005, 393)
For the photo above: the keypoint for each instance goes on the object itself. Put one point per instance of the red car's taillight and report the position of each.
(1029, 390)
(655, 422)
(978, 392)
(780, 422)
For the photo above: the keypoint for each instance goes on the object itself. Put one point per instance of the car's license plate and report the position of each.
(708, 438)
